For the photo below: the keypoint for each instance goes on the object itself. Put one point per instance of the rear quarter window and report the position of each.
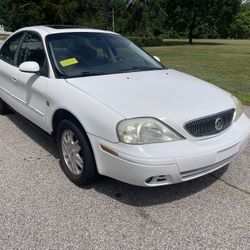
(9, 48)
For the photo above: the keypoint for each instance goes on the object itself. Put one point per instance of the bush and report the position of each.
(149, 41)
(3, 36)
(172, 34)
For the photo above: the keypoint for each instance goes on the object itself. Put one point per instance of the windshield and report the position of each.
(86, 54)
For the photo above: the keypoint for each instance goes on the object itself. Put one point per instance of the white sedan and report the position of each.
(115, 110)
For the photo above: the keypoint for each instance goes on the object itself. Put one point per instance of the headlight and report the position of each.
(238, 108)
(145, 131)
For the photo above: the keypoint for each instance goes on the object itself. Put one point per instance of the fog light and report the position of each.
(148, 180)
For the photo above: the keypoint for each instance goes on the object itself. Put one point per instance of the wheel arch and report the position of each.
(63, 114)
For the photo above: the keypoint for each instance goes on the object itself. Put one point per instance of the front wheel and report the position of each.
(77, 159)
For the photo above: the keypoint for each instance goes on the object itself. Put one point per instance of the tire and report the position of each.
(3, 108)
(76, 156)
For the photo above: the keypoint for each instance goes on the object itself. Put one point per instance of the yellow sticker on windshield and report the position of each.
(68, 62)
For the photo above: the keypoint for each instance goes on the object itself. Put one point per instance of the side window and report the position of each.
(32, 49)
(9, 48)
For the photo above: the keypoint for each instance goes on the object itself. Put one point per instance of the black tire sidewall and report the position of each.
(89, 172)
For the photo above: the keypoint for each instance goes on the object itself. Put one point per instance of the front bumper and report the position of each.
(172, 162)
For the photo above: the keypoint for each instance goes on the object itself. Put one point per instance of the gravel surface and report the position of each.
(41, 209)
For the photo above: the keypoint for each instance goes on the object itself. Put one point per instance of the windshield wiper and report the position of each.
(91, 73)
(96, 73)
(137, 68)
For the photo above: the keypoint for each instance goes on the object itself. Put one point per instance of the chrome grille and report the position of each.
(210, 125)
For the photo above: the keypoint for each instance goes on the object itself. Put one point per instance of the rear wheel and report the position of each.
(3, 108)
(77, 159)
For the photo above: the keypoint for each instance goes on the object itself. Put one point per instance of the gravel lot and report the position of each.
(41, 209)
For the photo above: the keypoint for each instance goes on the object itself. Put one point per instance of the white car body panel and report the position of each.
(95, 117)
(27, 92)
(99, 103)
(178, 161)
(167, 93)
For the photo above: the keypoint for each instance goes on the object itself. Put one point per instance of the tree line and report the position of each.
(164, 18)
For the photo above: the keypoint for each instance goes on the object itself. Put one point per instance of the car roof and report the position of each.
(55, 29)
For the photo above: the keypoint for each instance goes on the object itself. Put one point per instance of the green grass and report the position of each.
(225, 63)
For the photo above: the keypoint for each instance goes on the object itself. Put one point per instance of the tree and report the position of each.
(132, 17)
(4, 17)
(146, 17)
(240, 28)
(225, 12)
(188, 15)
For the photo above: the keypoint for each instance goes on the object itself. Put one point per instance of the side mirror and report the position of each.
(29, 67)
(157, 58)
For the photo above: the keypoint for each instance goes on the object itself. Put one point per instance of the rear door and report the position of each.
(8, 68)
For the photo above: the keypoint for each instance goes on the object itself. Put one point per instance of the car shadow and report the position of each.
(119, 191)
(35, 133)
(150, 196)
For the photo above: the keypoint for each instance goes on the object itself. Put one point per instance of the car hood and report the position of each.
(168, 95)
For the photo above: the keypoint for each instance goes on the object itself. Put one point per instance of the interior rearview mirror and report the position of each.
(29, 67)
(157, 58)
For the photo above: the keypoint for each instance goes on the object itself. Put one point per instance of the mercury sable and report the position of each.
(115, 110)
